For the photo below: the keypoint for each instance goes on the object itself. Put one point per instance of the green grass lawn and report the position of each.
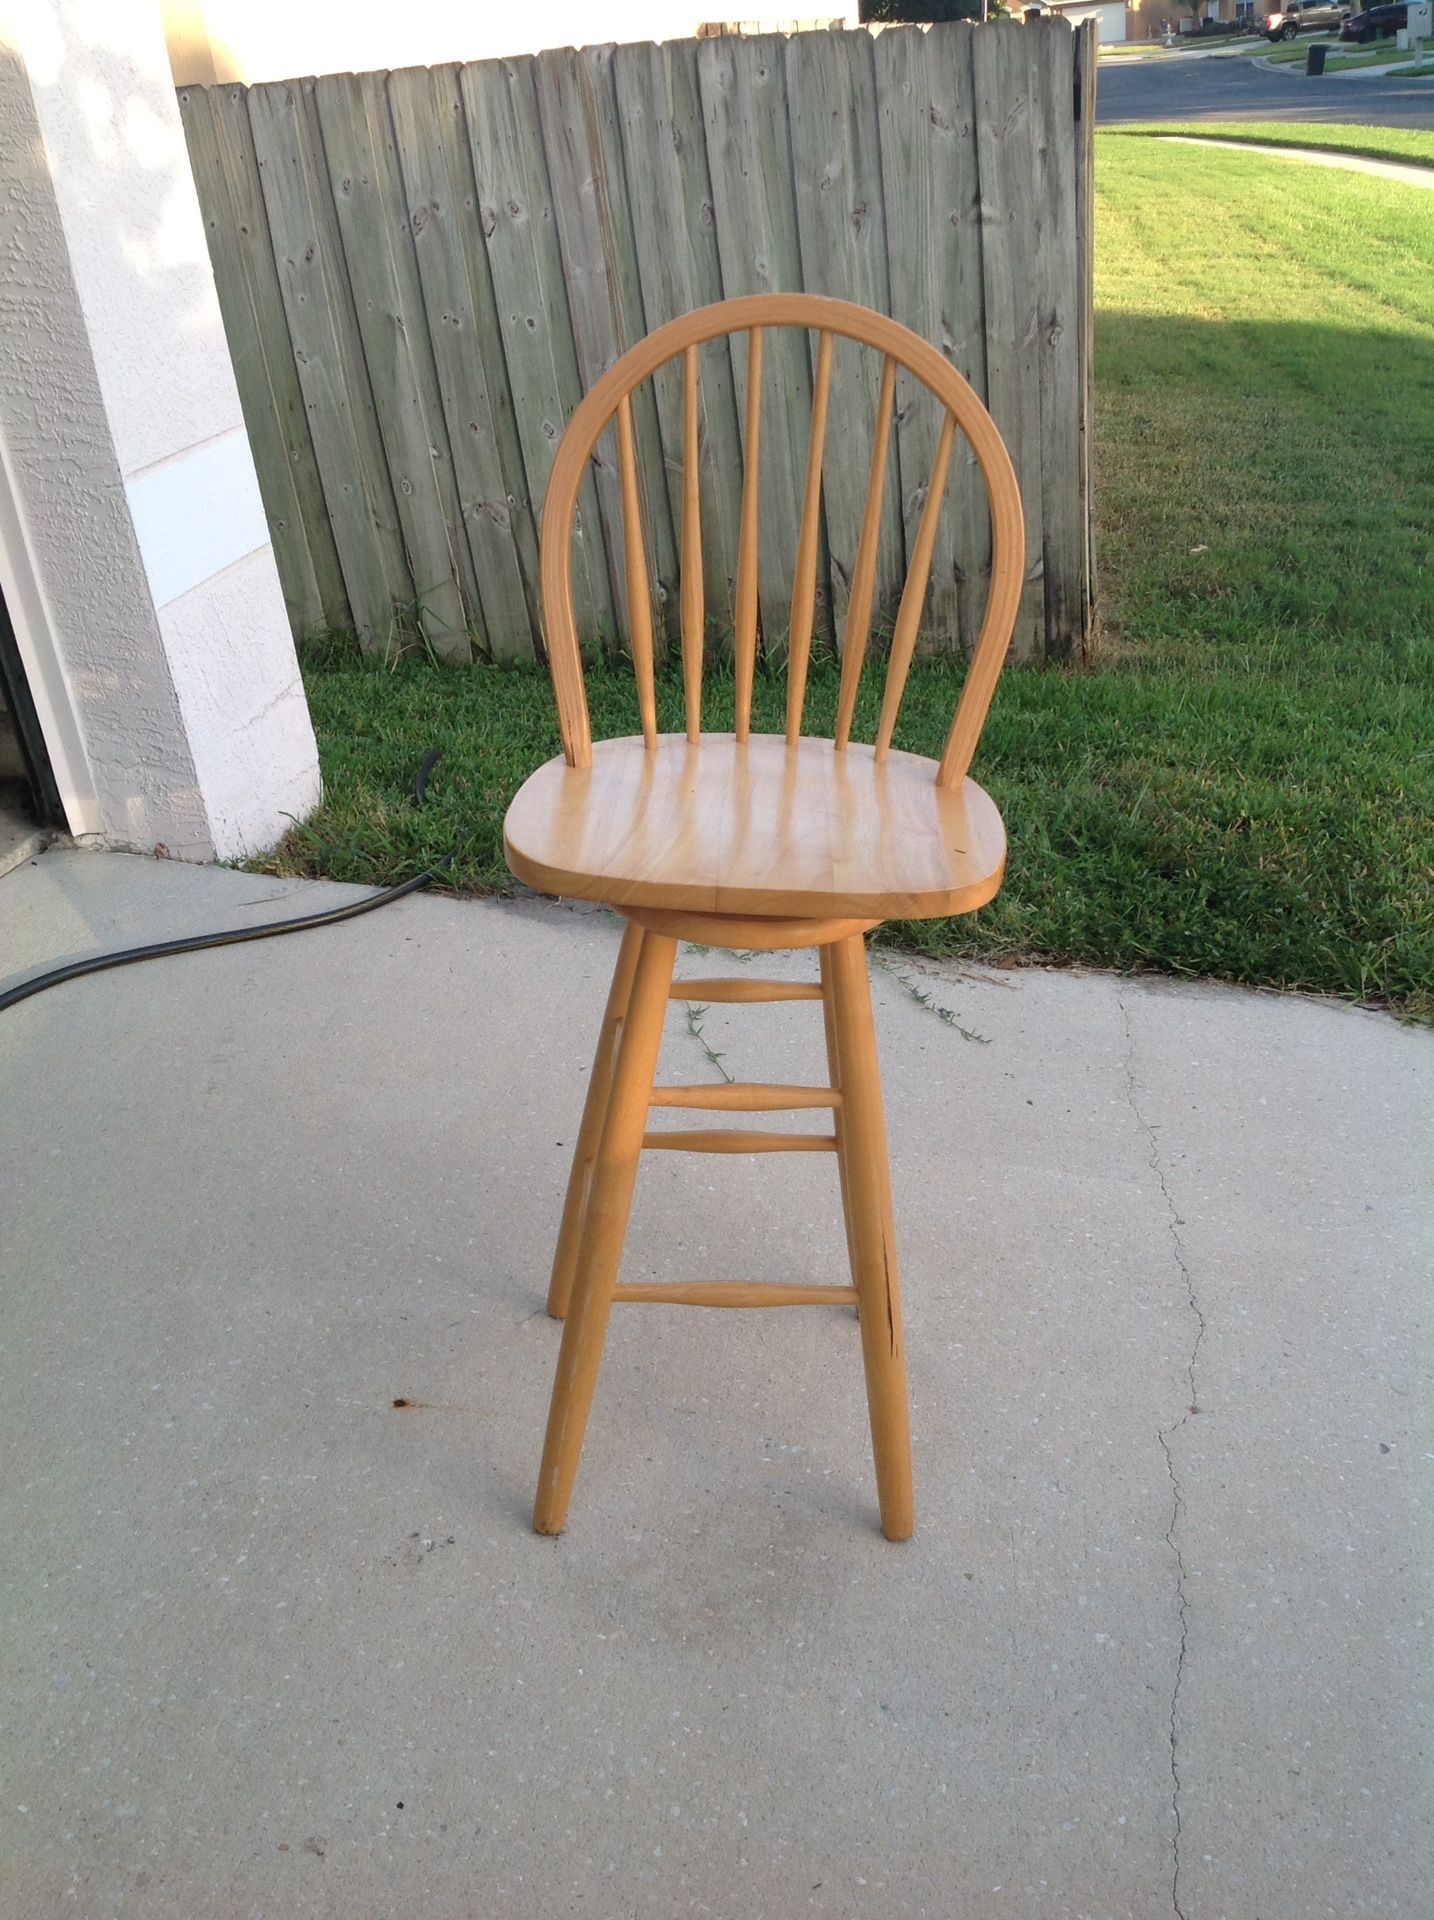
(1242, 785)
(1342, 54)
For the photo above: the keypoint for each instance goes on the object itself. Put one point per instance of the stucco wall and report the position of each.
(73, 567)
(131, 480)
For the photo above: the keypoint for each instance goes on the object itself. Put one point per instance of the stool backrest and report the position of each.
(611, 398)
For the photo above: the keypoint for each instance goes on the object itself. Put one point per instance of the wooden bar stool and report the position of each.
(755, 841)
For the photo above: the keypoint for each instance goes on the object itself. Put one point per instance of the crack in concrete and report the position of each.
(1164, 1435)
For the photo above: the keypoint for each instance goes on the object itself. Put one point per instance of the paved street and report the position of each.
(1228, 87)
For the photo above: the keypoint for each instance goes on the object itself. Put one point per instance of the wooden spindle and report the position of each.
(694, 611)
(743, 992)
(639, 592)
(863, 579)
(746, 637)
(804, 592)
(744, 1096)
(732, 1293)
(735, 1140)
(913, 598)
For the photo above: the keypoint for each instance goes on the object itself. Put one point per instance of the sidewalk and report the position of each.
(275, 1646)
(1405, 173)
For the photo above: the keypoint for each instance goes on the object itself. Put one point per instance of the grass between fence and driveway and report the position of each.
(1242, 785)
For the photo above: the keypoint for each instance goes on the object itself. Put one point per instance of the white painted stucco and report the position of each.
(134, 550)
(254, 764)
(196, 513)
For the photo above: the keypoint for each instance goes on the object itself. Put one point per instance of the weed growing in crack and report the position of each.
(924, 999)
(694, 1027)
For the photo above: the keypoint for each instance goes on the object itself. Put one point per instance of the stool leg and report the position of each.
(871, 1232)
(834, 1076)
(565, 1259)
(604, 1229)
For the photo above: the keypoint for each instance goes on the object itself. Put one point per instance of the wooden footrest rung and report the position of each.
(740, 1096)
(737, 1140)
(742, 992)
(736, 1293)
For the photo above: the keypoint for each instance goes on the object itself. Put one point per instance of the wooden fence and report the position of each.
(421, 272)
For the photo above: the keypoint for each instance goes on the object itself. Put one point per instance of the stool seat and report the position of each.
(757, 827)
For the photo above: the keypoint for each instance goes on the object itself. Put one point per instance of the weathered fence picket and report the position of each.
(422, 272)
(457, 288)
(535, 332)
(217, 127)
(841, 221)
(328, 355)
(582, 138)
(754, 198)
(674, 227)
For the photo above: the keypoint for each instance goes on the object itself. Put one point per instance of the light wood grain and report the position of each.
(748, 932)
(757, 829)
(736, 1140)
(604, 1229)
(742, 992)
(872, 1235)
(863, 581)
(694, 616)
(749, 553)
(740, 1096)
(759, 842)
(755, 315)
(913, 596)
(734, 1293)
(639, 596)
(826, 992)
(565, 1258)
(804, 592)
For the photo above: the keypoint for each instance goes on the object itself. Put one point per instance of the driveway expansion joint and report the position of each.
(1165, 1435)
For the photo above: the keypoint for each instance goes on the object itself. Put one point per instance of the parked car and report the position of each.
(1376, 23)
(1306, 16)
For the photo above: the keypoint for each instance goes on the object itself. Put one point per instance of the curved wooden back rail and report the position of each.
(611, 399)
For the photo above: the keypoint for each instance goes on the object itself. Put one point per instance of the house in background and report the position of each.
(1133, 20)
(145, 652)
(1112, 16)
(1149, 19)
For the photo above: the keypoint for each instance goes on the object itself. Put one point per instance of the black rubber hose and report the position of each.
(196, 943)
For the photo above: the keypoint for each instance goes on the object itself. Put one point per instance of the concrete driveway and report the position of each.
(273, 1646)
